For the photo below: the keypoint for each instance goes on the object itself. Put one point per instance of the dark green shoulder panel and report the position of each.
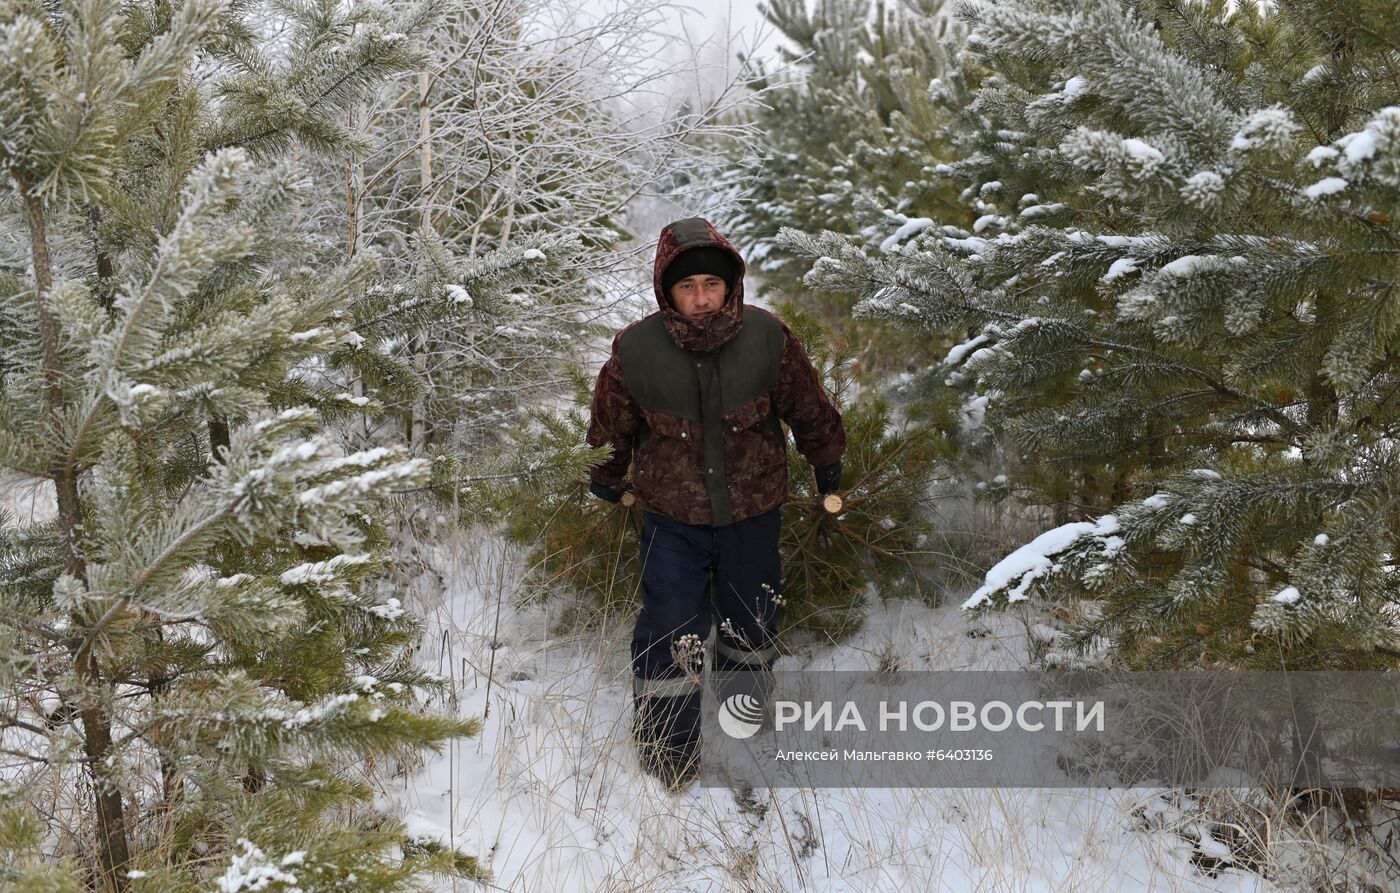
(748, 365)
(661, 376)
(658, 375)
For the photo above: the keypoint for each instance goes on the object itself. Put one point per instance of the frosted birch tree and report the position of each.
(519, 145)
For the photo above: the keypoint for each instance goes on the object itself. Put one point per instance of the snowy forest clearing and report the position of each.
(295, 303)
(551, 797)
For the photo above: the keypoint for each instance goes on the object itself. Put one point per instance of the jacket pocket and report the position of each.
(671, 450)
(753, 445)
(666, 425)
(749, 415)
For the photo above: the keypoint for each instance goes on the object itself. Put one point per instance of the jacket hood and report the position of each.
(706, 334)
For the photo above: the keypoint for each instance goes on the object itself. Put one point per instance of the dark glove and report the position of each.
(604, 492)
(828, 477)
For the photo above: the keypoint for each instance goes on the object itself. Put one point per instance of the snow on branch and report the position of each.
(1041, 557)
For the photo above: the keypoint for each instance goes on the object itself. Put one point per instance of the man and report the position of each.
(691, 399)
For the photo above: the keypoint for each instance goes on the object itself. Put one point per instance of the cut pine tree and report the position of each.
(835, 548)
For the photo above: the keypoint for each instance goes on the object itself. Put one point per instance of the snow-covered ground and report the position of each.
(550, 796)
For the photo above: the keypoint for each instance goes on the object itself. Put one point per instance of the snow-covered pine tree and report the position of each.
(197, 662)
(845, 129)
(810, 116)
(1184, 267)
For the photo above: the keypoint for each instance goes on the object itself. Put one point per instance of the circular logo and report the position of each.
(740, 715)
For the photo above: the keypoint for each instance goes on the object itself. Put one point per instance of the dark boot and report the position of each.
(667, 734)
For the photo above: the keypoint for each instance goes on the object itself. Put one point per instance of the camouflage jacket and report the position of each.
(694, 406)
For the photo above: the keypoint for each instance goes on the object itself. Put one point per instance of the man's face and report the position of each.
(696, 297)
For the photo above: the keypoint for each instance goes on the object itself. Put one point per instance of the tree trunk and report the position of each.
(354, 178)
(418, 433)
(354, 184)
(106, 270)
(112, 850)
(425, 152)
(113, 854)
